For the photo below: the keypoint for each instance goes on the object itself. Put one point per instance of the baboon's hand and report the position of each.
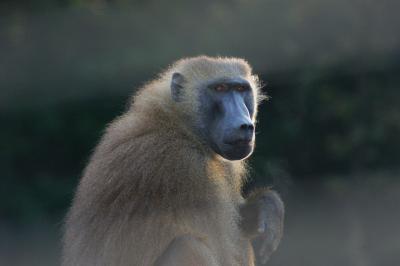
(270, 223)
(262, 216)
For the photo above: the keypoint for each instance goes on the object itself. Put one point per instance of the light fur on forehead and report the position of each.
(201, 68)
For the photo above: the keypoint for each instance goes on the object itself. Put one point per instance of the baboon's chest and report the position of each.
(226, 238)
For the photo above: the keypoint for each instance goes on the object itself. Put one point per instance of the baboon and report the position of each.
(164, 184)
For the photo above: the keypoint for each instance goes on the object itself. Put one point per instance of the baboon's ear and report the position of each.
(177, 86)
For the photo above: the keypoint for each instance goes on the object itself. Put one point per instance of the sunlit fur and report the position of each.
(151, 179)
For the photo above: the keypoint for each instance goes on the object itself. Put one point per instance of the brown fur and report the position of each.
(151, 180)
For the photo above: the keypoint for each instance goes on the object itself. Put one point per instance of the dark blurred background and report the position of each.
(328, 138)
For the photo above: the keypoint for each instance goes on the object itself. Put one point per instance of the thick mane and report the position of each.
(154, 131)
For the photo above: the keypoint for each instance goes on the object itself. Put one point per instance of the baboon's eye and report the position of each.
(221, 87)
(242, 88)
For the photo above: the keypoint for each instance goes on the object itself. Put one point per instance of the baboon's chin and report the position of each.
(236, 152)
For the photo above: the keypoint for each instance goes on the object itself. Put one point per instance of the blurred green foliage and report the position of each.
(45, 151)
(340, 119)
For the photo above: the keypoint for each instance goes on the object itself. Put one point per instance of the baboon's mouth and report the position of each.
(239, 142)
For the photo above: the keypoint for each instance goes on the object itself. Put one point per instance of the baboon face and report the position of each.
(226, 122)
(227, 108)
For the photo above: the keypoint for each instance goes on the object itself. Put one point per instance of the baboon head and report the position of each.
(220, 95)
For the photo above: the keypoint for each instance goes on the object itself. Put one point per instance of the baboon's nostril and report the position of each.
(247, 126)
